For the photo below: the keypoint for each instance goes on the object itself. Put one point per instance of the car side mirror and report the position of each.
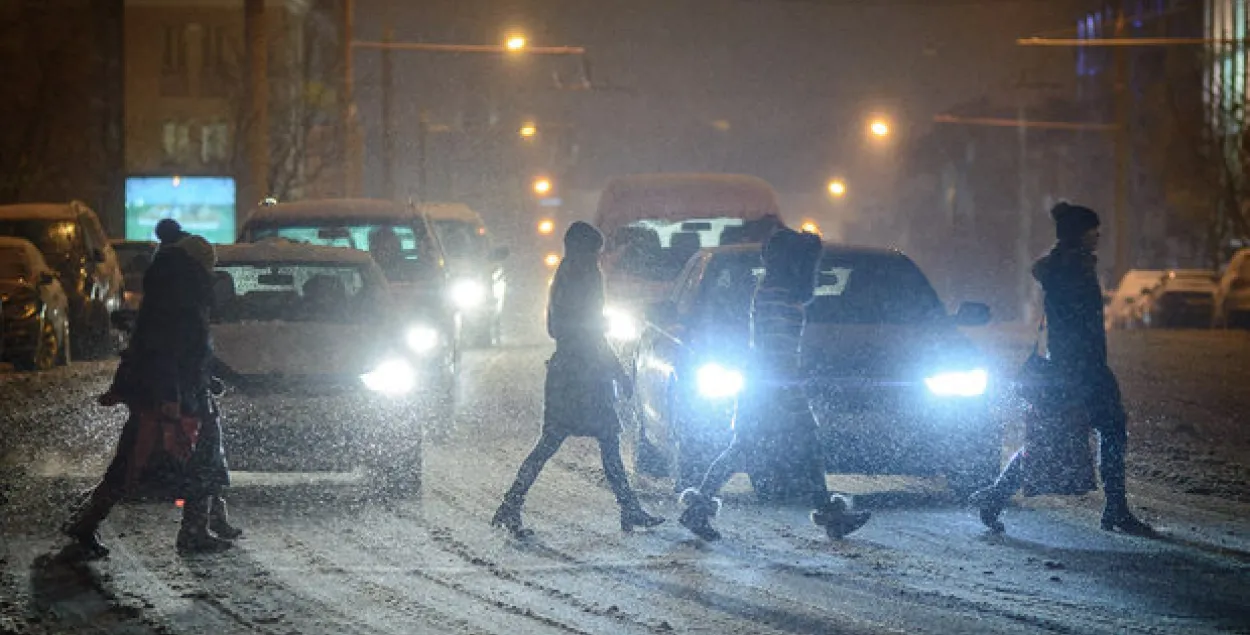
(972, 314)
(499, 254)
(662, 313)
(124, 319)
(46, 278)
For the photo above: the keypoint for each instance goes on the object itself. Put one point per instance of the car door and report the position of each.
(662, 349)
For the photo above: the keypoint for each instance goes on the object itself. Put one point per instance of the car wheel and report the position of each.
(46, 353)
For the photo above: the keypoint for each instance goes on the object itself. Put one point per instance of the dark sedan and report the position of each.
(35, 308)
(896, 387)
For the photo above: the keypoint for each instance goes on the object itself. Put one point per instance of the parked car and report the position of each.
(478, 280)
(72, 241)
(398, 236)
(896, 387)
(1128, 296)
(35, 325)
(1182, 298)
(135, 256)
(1232, 298)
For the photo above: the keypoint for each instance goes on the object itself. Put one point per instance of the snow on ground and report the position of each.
(325, 555)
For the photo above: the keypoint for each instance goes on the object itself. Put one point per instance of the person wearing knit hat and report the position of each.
(169, 231)
(579, 396)
(778, 318)
(164, 380)
(1085, 384)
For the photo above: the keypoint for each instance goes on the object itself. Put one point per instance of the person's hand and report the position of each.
(171, 410)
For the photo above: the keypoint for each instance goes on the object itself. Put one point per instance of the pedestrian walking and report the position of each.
(165, 382)
(579, 396)
(775, 405)
(1081, 389)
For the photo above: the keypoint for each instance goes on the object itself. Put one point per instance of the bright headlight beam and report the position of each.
(717, 382)
(467, 294)
(621, 325)
(392, 378)
(421, 339)
(970, 383)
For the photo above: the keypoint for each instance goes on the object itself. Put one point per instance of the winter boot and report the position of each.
(194, 537)
(697, 517)
(1116, 516)
(990, 503)
(84, 526)
(219, 520)
(636, 516)
(838, 519)
(508, 516)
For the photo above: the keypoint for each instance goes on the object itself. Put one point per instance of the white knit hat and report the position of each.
(200, 251)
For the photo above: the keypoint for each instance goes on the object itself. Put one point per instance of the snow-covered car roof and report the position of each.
(38, 211)
(831, 248)
(285, 251)
(27, 249)
(330, 210)
(1189, 280)
(678, 197)
(451, 211)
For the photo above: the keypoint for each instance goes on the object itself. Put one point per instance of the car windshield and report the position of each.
(13, 264)
(400, 249)
(851, 289)
(657, 250)
(272, 292)
(462, 239)
(57, 240)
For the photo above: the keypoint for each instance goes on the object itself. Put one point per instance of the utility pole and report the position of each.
(346, 140)
(257, 184)
(1119, 86)
(388, 124)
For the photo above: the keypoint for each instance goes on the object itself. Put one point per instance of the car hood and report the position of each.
(14, 288)
(297, 349)
(878, 352)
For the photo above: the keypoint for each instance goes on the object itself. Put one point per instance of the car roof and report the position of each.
(25, 246)
(451, 211)
(38, 211)
(678, 197)
(285, 251)
(839, 249)
(323, 210)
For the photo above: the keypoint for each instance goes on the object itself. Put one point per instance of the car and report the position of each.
(398, 236)
(478, 283)
(897, 388)
(35, 324)
(654, 223)
(309, 335)
(135, 256)
(1183, 298)
(73, 243)
(1127, 297)
(1233, 294)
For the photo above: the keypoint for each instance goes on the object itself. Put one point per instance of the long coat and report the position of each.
(579, 396)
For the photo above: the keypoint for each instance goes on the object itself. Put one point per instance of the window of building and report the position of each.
(176, 141)
(216, 60)
(214, 143)
(174, 80)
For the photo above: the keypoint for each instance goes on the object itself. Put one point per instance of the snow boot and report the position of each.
(697, 517)
(219, 520)
(508, 516)
(990, 503)
(838, 519)
(194, 537)
(84, 526)
(1118, 517)
(638, 517)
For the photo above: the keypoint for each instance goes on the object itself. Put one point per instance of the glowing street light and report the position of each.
(542, 186)
(810, 227)
(528, 130)
(552, 260)
(546, 226)
(879, 128)
(515, 43)
(837, 188)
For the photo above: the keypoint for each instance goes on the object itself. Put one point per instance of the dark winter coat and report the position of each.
(1075, 336)
(579, 396)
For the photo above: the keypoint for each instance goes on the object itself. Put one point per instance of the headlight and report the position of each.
(621, 325)
(717, 382)
(970, 383)
(392, 377)
(422, 339)
(467, 294)
(23, 311)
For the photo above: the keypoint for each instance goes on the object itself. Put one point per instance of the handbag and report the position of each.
(1038, 382)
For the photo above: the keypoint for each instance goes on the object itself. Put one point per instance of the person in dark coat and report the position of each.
(1077, 343)
(579, 397)
(164, 380)
(775, 411)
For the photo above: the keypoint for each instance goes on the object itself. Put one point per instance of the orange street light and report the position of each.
(879, 128)
(810, 227)
(528, 130)
(515, 43)
(837, 188)
(546, 226)
(542, 186)
(552, 260)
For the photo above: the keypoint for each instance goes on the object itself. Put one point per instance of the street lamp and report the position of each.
(542, 186)
(810, 227)
(879, 128)
(546, 226)
(528, 130)
(515, 43)
(837, 188)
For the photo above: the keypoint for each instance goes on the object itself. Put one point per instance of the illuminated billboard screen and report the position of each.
(204, 205)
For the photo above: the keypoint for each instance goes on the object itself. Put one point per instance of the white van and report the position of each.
(654, 223)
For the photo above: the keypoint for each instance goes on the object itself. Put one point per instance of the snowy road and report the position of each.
(322, 557)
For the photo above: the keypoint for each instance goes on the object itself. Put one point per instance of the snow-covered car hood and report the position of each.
(297, 349)
(886, 352)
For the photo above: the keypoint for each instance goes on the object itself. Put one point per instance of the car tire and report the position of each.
(46, 352)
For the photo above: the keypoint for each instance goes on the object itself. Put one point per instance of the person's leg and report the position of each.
(632, 513)
(206, 475)
(1111, 421)
(509, 513)
(991, 500)
(83, 526)
(832, 513)
(702, 504)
